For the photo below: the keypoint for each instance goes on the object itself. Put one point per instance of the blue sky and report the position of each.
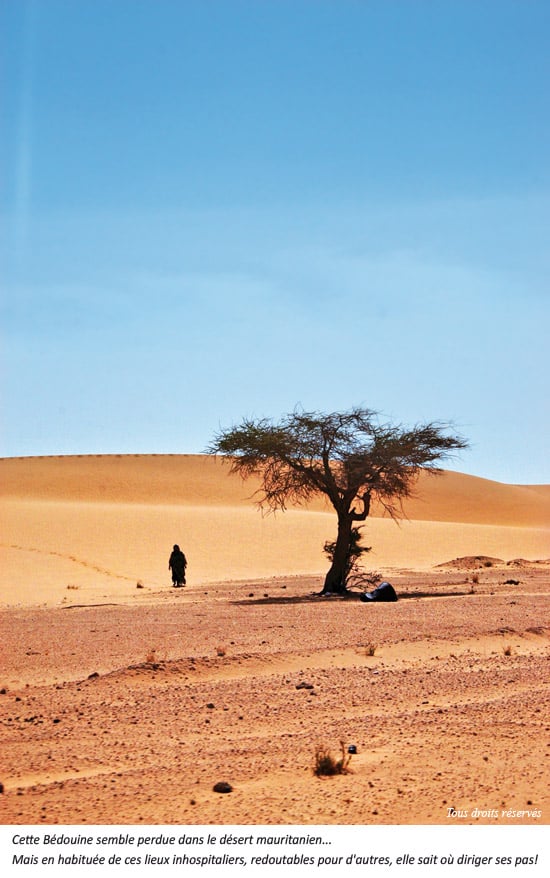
(221, 208)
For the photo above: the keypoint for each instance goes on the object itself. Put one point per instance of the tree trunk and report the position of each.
(335, 580)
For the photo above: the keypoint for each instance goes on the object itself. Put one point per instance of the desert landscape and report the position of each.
(125, 701)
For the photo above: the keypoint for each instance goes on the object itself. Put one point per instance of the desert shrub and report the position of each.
(327, 765)
(354, 573)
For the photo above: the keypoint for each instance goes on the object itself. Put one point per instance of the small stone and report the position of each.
(222, 787)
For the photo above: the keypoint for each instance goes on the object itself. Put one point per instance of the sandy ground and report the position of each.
(123, 700)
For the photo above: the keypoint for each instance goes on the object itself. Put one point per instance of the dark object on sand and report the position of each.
(352, 749)
(222, 787)
(384, 592)
(177, 564)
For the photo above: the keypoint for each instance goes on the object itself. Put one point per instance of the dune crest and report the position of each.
(128, 701)
(103, 524)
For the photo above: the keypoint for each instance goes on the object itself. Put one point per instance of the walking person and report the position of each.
(177, 564)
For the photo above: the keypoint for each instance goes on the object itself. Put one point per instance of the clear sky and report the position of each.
(220, 208)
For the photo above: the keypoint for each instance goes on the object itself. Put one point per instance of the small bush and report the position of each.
(326, 765)
(354, 574)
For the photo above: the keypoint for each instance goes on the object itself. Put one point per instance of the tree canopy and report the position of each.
(351, 457)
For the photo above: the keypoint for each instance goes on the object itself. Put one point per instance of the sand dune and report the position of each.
(102, 524)
(125, 701)
(200, 480)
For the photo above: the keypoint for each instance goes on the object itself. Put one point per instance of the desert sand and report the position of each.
(124, 700)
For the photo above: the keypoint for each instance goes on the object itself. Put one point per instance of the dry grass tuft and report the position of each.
(327, 765)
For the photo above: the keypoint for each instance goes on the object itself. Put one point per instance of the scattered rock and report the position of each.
(304, 685)
(93, 676)
(222, 787)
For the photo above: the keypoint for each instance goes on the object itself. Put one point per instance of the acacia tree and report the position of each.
(350, 457)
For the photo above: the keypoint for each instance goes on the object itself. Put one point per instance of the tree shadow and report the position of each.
(313, 598)
(317, 598)
(434, 594)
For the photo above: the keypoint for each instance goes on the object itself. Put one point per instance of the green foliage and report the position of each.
(349, 457)
(353, 569)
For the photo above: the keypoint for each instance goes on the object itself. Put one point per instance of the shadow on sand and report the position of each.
(316, 597)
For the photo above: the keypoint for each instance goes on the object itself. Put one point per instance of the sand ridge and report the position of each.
(102, 525)
(203, 480)
(125, 700)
